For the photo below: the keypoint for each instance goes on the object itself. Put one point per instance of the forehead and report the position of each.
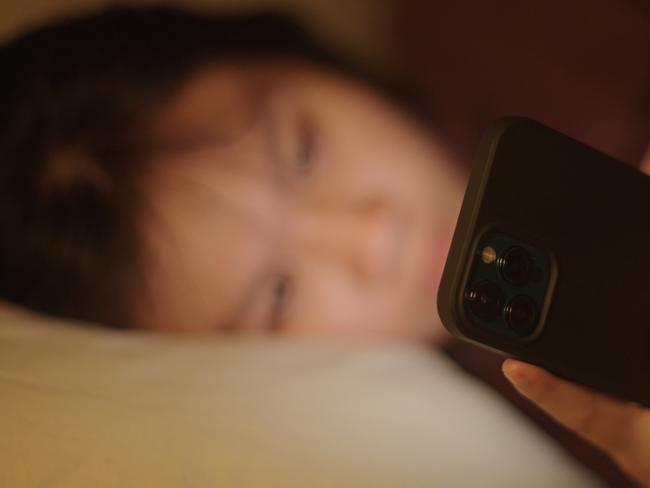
(218, 102)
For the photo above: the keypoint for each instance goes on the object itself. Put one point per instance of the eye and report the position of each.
(305, 156)
(281, 289)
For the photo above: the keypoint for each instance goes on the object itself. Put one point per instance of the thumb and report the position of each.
(621, 429)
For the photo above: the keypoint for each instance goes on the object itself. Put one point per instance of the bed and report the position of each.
(84, 406)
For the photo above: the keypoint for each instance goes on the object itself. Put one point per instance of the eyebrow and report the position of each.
(200, 137)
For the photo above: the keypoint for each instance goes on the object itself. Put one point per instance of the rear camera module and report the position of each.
(507, 288)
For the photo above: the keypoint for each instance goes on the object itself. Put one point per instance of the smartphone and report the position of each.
(550, 259)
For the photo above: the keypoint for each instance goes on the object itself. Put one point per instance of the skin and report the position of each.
(293, 200)
(620, 429)
(287, 199)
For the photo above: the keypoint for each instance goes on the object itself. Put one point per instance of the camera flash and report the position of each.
(488, 255)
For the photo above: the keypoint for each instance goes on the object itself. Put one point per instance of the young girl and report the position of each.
(175, 172)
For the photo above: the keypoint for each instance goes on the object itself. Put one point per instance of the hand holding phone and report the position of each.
(620, 429)
(550, 259)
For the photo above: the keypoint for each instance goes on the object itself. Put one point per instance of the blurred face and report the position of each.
(292, 200)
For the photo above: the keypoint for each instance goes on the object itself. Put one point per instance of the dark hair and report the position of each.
(72, 95)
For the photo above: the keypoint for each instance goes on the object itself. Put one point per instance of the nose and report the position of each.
(362, 236)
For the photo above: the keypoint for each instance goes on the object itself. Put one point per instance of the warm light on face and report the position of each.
(324, 216)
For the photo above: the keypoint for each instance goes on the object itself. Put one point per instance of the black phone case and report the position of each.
(591, 214)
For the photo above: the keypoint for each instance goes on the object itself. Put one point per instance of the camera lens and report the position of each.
(521, 314)
(485, 299)
(516, 265)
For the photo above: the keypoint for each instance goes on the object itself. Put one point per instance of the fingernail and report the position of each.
(516, 374)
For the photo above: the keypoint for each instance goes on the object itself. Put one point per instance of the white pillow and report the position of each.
(88, 407)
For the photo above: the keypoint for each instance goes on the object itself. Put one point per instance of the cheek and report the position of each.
(327, 301)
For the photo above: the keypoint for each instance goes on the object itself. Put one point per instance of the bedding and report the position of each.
(83, 406)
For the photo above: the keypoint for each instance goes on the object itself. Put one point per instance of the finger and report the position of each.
(645, 161)
(606, 422)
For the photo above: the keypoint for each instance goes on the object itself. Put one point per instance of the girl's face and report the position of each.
(293, 200)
